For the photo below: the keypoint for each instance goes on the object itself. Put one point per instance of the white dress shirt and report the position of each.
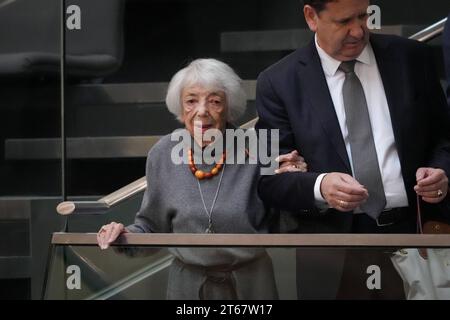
(367, 71)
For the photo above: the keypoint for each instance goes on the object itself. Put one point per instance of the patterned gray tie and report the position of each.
(364, 154)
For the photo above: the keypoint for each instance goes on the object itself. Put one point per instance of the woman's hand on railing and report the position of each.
(291, 162)
(109, 233)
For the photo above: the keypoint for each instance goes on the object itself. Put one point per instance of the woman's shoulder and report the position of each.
(163, 148)
(159, 147)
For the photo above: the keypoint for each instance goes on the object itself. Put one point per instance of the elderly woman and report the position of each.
(197, 197)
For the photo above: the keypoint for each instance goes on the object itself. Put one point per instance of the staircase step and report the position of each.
(110, 121)
(80, 148)
(288, 39)
(129, 93)
(270, 40)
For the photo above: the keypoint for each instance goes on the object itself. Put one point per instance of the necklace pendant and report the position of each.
(209, 229)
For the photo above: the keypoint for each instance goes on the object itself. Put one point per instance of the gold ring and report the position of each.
(439, 193)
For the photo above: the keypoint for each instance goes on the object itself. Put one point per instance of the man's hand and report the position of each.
(432, 184)
(291, 162)
(342, 192)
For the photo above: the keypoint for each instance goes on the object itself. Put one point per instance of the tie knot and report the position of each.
(348, 66)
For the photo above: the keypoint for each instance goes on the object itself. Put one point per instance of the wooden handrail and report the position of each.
(259, 240)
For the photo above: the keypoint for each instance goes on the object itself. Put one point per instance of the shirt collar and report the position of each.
(331, 65)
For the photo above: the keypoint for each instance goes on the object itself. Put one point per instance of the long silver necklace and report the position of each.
(210, 228)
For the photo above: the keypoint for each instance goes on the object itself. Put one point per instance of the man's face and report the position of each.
(341, 27)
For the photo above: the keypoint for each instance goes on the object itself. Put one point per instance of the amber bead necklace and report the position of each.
(200, 174)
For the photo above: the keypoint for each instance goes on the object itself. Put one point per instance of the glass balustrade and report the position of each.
(79, 269)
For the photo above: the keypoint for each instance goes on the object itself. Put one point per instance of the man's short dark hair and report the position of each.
(318, 5)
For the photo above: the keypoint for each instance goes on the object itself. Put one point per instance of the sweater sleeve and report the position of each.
(153, 216)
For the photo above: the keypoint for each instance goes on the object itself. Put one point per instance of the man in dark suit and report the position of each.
(368, 115)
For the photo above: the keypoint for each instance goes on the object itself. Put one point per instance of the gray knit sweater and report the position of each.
(172, 203)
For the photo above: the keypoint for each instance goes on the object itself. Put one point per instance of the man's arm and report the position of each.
(439, 117)
(432, 179)
(293, 191)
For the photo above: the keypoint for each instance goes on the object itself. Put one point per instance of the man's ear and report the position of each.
(310, 17)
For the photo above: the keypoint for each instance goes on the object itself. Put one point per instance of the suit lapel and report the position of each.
(316, 88)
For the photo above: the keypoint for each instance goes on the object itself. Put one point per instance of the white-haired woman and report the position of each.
(197, 197)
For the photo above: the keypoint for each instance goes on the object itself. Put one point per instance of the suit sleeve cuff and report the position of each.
(320, 201)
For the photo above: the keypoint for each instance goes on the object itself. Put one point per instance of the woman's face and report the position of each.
(203, 109)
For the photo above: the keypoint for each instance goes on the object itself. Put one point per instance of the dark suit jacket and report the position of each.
(293, 96)
(446, 47)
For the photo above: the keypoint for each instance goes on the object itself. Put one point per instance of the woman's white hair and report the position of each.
(211, 74)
